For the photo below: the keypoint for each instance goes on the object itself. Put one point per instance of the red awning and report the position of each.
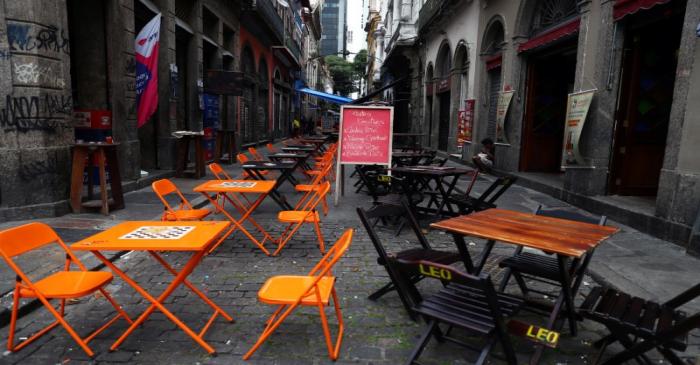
(494, 62)
(547, 37)
(623, 8)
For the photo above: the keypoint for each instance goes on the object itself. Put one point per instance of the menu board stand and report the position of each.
(365, 138)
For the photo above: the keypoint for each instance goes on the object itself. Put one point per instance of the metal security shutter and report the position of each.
(494, 90)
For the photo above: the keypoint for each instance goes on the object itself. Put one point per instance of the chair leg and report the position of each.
(670, 356)
(420, 346)
(321, 244)
(13, 319)
(381, 291)
(521, 283)
(272, 324)
(286, 236)
(333, 350)
(485, 351)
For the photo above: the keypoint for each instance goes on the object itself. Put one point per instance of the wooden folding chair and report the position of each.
(307, 214)
(486, 200)
(60, 285)
(641, 325)
(544, 268)
(315, 289)
(185, 211)
(424, 251)
(469, 302)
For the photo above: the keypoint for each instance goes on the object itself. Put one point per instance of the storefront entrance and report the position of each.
(444, 127)
(647, 79)
(550, 79)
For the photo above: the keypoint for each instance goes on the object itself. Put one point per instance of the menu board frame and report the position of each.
(343, 108)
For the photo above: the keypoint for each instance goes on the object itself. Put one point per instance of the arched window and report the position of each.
(494, 38)
(552, 12)
(444, 61)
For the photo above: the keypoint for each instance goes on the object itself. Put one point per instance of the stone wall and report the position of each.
(35, 108)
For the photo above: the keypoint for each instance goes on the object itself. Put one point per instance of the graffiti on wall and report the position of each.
(36, 113)
(34, 74)
(36, 169)
(30, 37)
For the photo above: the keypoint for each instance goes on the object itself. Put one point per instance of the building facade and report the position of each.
(334, 22)
(638, 145)
(61, 58)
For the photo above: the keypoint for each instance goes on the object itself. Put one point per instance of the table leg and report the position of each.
(484, 256)
(76, 181)
(246, 213)
(565, 298)
(446, 194)
(157, 302)
(464, 252)
(239, 224)
(187, 283)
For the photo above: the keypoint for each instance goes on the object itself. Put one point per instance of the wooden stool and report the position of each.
(104, 153)
(225, 142)
(183, 149)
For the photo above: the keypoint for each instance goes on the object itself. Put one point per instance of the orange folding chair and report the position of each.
(184, 211)
(271, 148)
(221, 174)
(316, 289)
(307, 214)
(256, 155)
(60, 285)
(307, 189)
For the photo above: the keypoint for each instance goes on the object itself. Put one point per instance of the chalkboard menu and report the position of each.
(366, 134)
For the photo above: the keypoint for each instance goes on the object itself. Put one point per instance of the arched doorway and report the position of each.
(551, 73)
(492, 49)
(429, 93)
(262, 125)
(444, 68)
(248, 97)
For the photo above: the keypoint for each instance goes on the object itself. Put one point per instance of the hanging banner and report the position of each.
(504, 99)
(465, 121)
(146, 46)
(576, 112)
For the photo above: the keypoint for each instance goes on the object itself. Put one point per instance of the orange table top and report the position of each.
(236, 186)
(555, 235)
(154, 236)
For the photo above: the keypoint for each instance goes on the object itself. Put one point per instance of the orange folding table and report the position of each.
(155, 237)
(213, 189)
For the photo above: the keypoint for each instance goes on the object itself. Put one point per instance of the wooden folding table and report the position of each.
(155, 237)
(566, 238)
(213, 189)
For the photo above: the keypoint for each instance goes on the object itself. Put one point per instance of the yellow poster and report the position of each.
(576, 112)
(502, 110)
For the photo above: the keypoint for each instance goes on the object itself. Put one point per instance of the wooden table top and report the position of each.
(236, 186)
(154, 236)
(431, 170)
(554, 235)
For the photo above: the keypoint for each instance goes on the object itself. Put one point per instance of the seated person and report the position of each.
(484, 159)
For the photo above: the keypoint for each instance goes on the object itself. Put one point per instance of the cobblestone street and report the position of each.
(376, 332)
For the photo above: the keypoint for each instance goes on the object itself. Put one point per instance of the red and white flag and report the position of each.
(146, 46)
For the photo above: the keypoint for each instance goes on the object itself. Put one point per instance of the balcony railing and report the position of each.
(264, 15)
(430, 11)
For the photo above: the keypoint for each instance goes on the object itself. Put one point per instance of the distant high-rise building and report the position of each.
(334, 27)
